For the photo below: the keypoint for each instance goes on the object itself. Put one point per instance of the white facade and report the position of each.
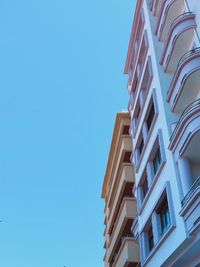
(166, 158)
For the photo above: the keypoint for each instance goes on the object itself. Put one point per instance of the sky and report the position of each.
(61, 84)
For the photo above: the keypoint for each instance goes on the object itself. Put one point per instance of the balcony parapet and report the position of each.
(184, 87)
(191, 206)
(170, 9)
(128, 211)
(126, 176)
(128, 253)
(179, 40)
(187, 125)
(125, 145)
(194, 187)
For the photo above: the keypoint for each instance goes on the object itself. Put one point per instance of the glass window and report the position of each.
(164, 215)
(156, 161)
(145, 187)
(150, 238)
(137, 115)
(150, 117)
(140, 148)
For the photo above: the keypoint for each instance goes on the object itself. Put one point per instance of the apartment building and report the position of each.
(163, 68)
(120, 206)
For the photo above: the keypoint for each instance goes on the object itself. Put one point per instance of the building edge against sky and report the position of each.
(163, 68)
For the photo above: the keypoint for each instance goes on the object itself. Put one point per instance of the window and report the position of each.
(159, 224)
(134, 84)
(150, 117)
(125, 130)
(145, 187)
(141, 145)
(137, 114)
(150, 238)
(156, 161)
(127, 157)
(163, 212)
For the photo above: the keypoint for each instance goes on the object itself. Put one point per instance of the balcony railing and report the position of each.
(188, 55)
(184, 81)
(195, 185)
(179, 40)
(188, 110)
(175, 21)
(170, 9)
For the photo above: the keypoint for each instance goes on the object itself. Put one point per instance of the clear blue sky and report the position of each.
(61, 84)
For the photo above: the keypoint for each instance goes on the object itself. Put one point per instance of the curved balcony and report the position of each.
(185, 143)
(185, 87)
(191, 207)
(179, 40)
(186, 129)
(170, 9)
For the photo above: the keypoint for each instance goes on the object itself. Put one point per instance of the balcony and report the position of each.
(187, 125)
(191, 207)
(185, 143)
(156, 7)
(179, 40)
(123, 150)
(184, 87)
(170, 10)
(194, 187)
(128, 255)
(123, 187)
(122, 226)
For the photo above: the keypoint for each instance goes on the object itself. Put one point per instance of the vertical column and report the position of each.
(185, 174)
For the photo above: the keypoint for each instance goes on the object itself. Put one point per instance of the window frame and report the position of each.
(157, 234)
(152, 179)
(152, 101)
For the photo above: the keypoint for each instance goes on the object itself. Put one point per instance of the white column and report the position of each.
(185, 174)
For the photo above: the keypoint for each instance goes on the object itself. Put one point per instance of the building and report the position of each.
(120, 206)
(163, 68)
